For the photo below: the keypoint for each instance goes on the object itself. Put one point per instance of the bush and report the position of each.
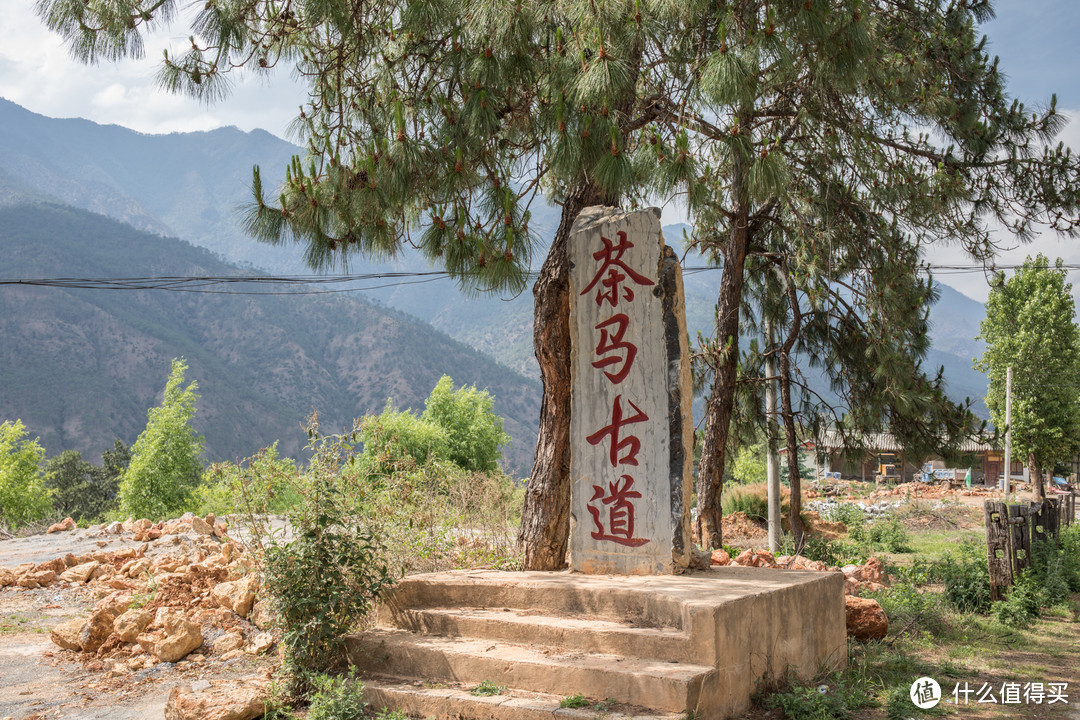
(336, 698)
(910, 610)
(753, 500)
(260, 485)
(23, 495)
(848, 513)
(809, 703)
(474, 433)
(967, 579)
(82, 490)
(1021, 607)
(325, 581)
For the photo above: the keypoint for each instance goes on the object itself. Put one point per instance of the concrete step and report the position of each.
(587, 634)
(455, 702)
(560, 593)
(656, 684)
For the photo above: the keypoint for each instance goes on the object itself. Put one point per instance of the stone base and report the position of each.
(657, 645)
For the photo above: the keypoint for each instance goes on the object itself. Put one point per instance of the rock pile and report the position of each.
(187, 593)
(864, 622)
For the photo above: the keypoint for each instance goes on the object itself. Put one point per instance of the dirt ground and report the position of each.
(38, 680)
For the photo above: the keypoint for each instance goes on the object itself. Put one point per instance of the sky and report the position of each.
(1035, 39)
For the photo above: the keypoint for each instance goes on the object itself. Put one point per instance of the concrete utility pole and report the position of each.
(772, 432)
(1008, 430)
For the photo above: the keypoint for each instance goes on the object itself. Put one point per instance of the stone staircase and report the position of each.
(637, 647)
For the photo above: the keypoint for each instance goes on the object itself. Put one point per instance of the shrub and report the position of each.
(23, 495)
(809, 703)
(967, 579)
(474, 433)
(259, 485)
(336, 698)
(1021, 607)
(753, 500)
(911, 610)
(82, 490)
(848, 513)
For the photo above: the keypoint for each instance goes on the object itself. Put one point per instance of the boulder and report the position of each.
(43, 578)
(865, 619)
(80, 573)
(244, 702)
(261, 616)
(201, 526)
(720, 557)
(755, 558)
(135, 568)
(260, 644)
(181, 637)
(116, 603)
(66, 524)
(68, 635)
(131, 623)
(237, 596)
(7, 577)
(57, 565)
(97, 629)
(114, 528)
(228, 642)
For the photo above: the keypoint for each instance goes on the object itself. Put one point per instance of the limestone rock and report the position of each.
(135, 568)
(115, 528)
(43, 578)
(148, 640)
(66, 524)
(7, 577)
(181, 637)
(131, 623)
(68, 635)
(260, 644)
(228, 642)
(261, 616)
(201, 526)
(80, 573)
(229, 703)
(865, 618)
(115, 603)
(97, 630)
(57, 565)
(238, 596)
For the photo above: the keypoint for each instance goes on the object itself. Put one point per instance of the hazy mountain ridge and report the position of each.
(81, 367)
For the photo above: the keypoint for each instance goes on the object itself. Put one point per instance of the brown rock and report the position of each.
(261, 616)
(69, 635)
(148, 640)
(260, 644)
(130, 624)
(245, 702)
(57, 565)
(27, 581)
(720, 557)
(181, 637)
(115, 603)
(755, 558)
(865, 618)
(135, 568)
(43, 578)
(7, 577)
(228, 642)
(97, 630)
(80, 573)
(201, 526)
(66, 524)
(238, 596)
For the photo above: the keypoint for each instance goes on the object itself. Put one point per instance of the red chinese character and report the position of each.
(631, 443)
(620, 520)
(613, 342)
(611, 261)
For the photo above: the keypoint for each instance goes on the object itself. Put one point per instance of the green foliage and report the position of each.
(577, 700)
(474, 433)
(809, 703)
(750, 499)
(23, 495)
(1030, 327)
(82, 490)
(885, 534)
(749, 465)
(399, 440)
(910, 610)
(324, 581)
(259, 485)
(848, 513)
(1020, 608)
(165, 461)
(488, 688)
(336, 698)
(967, 579)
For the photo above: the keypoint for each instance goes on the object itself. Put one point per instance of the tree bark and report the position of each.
(1038, 489)
(545, 519)
(721, 400)
(798, 532)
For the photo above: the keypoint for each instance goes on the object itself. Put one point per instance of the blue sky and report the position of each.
(1036, 40)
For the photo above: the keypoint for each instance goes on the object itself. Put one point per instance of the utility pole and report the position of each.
(772, 432)
(1008, 430)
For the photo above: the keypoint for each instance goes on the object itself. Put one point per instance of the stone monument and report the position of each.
(631, 430)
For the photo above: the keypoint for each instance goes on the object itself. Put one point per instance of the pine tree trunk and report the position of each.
(721, 400)
(545, 519)
(1038, 489)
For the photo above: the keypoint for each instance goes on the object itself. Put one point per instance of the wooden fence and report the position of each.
(1011, 530)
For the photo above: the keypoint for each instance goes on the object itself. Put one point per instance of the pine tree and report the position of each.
(440, 122)
(1030, 326)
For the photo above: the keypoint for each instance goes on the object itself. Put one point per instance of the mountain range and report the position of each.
(279, 356)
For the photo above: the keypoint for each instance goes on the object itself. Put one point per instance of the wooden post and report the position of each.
(1019, 538)
(998, 557)
(1038, 522)
(1052, 517)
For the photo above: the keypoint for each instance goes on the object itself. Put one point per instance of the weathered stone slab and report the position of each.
(630, 428)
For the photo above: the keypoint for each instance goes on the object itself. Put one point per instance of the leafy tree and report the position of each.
(474, 433)
(23, 496)
(1030, 327)
(853, 123)
(394, 440)
(165, 461)
(81, 489)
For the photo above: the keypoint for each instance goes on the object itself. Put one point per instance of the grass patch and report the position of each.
(488, 688)
(574, 701)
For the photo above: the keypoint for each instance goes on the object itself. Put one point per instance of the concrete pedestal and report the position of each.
(659, 645)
